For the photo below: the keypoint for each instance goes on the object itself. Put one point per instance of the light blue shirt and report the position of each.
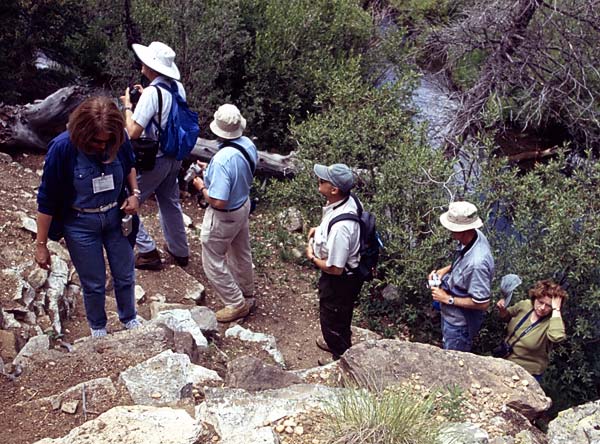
(228, 175)
(471, 276)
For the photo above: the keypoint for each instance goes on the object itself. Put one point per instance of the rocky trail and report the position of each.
(184, 378)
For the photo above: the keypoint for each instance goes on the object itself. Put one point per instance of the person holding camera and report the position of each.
(464, 289)
(158, 66)
(89, 179)
(533, 326)
(225, 235)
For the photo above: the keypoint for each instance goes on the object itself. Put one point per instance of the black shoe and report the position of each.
(182, 261)
(148, 261)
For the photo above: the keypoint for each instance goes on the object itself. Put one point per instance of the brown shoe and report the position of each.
(148, 261)
(229, 314)
(323, 345)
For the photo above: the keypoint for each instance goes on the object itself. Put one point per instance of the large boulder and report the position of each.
(134, 425)
(378, 364)
(577, 425)
(252, 374)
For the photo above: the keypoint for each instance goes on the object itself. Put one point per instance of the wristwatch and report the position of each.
(451, 300)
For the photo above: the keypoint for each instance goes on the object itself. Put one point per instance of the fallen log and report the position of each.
(34, 125)
(269, 164)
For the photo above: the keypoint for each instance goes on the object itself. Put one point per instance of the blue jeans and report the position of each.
(162, 181)
(456, 337)
(86, 235)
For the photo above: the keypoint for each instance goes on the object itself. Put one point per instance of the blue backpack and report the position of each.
(370, 241)
(182, 129)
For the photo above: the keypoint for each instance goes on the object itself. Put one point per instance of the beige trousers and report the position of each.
(226, 254)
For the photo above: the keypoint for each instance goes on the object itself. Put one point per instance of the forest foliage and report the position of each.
(303, 73)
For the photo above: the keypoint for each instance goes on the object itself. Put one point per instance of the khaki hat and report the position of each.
(159, 57)
(461, 216)
(339, 174)
(228, 122)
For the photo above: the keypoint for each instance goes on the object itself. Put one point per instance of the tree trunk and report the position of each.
(34, 125)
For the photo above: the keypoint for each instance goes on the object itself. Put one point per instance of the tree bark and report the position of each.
(34, 125)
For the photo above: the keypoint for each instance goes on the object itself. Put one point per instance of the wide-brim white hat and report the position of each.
(461, 216)
(228, 122)
(159, 57)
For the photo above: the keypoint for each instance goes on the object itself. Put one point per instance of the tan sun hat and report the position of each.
(228, 122)
(461, 216)
(159, 57)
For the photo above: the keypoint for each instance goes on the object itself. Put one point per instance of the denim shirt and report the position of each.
(471, 276)
(86, 170)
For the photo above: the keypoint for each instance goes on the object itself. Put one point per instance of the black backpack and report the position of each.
(370, 242)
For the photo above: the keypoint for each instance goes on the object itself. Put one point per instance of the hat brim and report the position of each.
(227, 134)
(146, 56)
(459, 228)
(322, 172)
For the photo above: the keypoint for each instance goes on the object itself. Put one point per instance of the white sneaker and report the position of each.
(98, 332)
(133, 324)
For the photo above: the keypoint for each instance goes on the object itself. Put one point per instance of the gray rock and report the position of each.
(577, 425)
(140, 293)
(195, 291)
(27, 222)
(37, 277)
(160, 380)
(206, 320)
(291, 219)
(70, 407)
(235, 412)
(462, 433)
(268, 341)
(139, 424)
(394, 362)
(57, 283)
(36, 345)
(5, 158)
(252, 374)
(391, 293)
(182, 320)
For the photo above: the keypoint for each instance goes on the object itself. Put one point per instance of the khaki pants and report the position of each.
(226, 254)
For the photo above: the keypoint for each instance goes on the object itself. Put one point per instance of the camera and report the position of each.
(127, 224)
(435, 280)
(134, 94)
(192, 172)
(502, 351)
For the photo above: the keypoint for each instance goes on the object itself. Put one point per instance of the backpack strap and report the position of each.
(160, 107)
(340, 217)
(244, 153)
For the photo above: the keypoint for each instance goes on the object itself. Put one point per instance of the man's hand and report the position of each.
(311, 233)
(131, 205)
(440, 295)
(198, 183)
(501, 306)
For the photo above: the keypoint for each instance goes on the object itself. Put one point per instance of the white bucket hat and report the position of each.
(228, 122)
(461, 216)
(159, 57)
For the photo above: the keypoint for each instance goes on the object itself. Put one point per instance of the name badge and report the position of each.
(103, 183)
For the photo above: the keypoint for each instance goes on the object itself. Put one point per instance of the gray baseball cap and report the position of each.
(339, 174)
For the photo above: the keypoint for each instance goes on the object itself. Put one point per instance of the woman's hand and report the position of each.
(131, 204)
(42, 256)
(556, 303)
(501, 306)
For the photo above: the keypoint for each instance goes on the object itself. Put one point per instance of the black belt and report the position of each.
(224, 210)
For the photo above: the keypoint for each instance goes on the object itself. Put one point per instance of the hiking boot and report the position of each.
(182, 261)
(229, 314)
(98, 332)
(322, 345)
(148, 261)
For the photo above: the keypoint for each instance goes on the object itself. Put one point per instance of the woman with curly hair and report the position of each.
(534, 325)
(89, 180)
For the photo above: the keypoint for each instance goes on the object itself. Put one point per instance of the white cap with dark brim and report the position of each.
(461, 216)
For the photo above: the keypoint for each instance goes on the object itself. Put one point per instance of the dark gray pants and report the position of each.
(337, 296)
